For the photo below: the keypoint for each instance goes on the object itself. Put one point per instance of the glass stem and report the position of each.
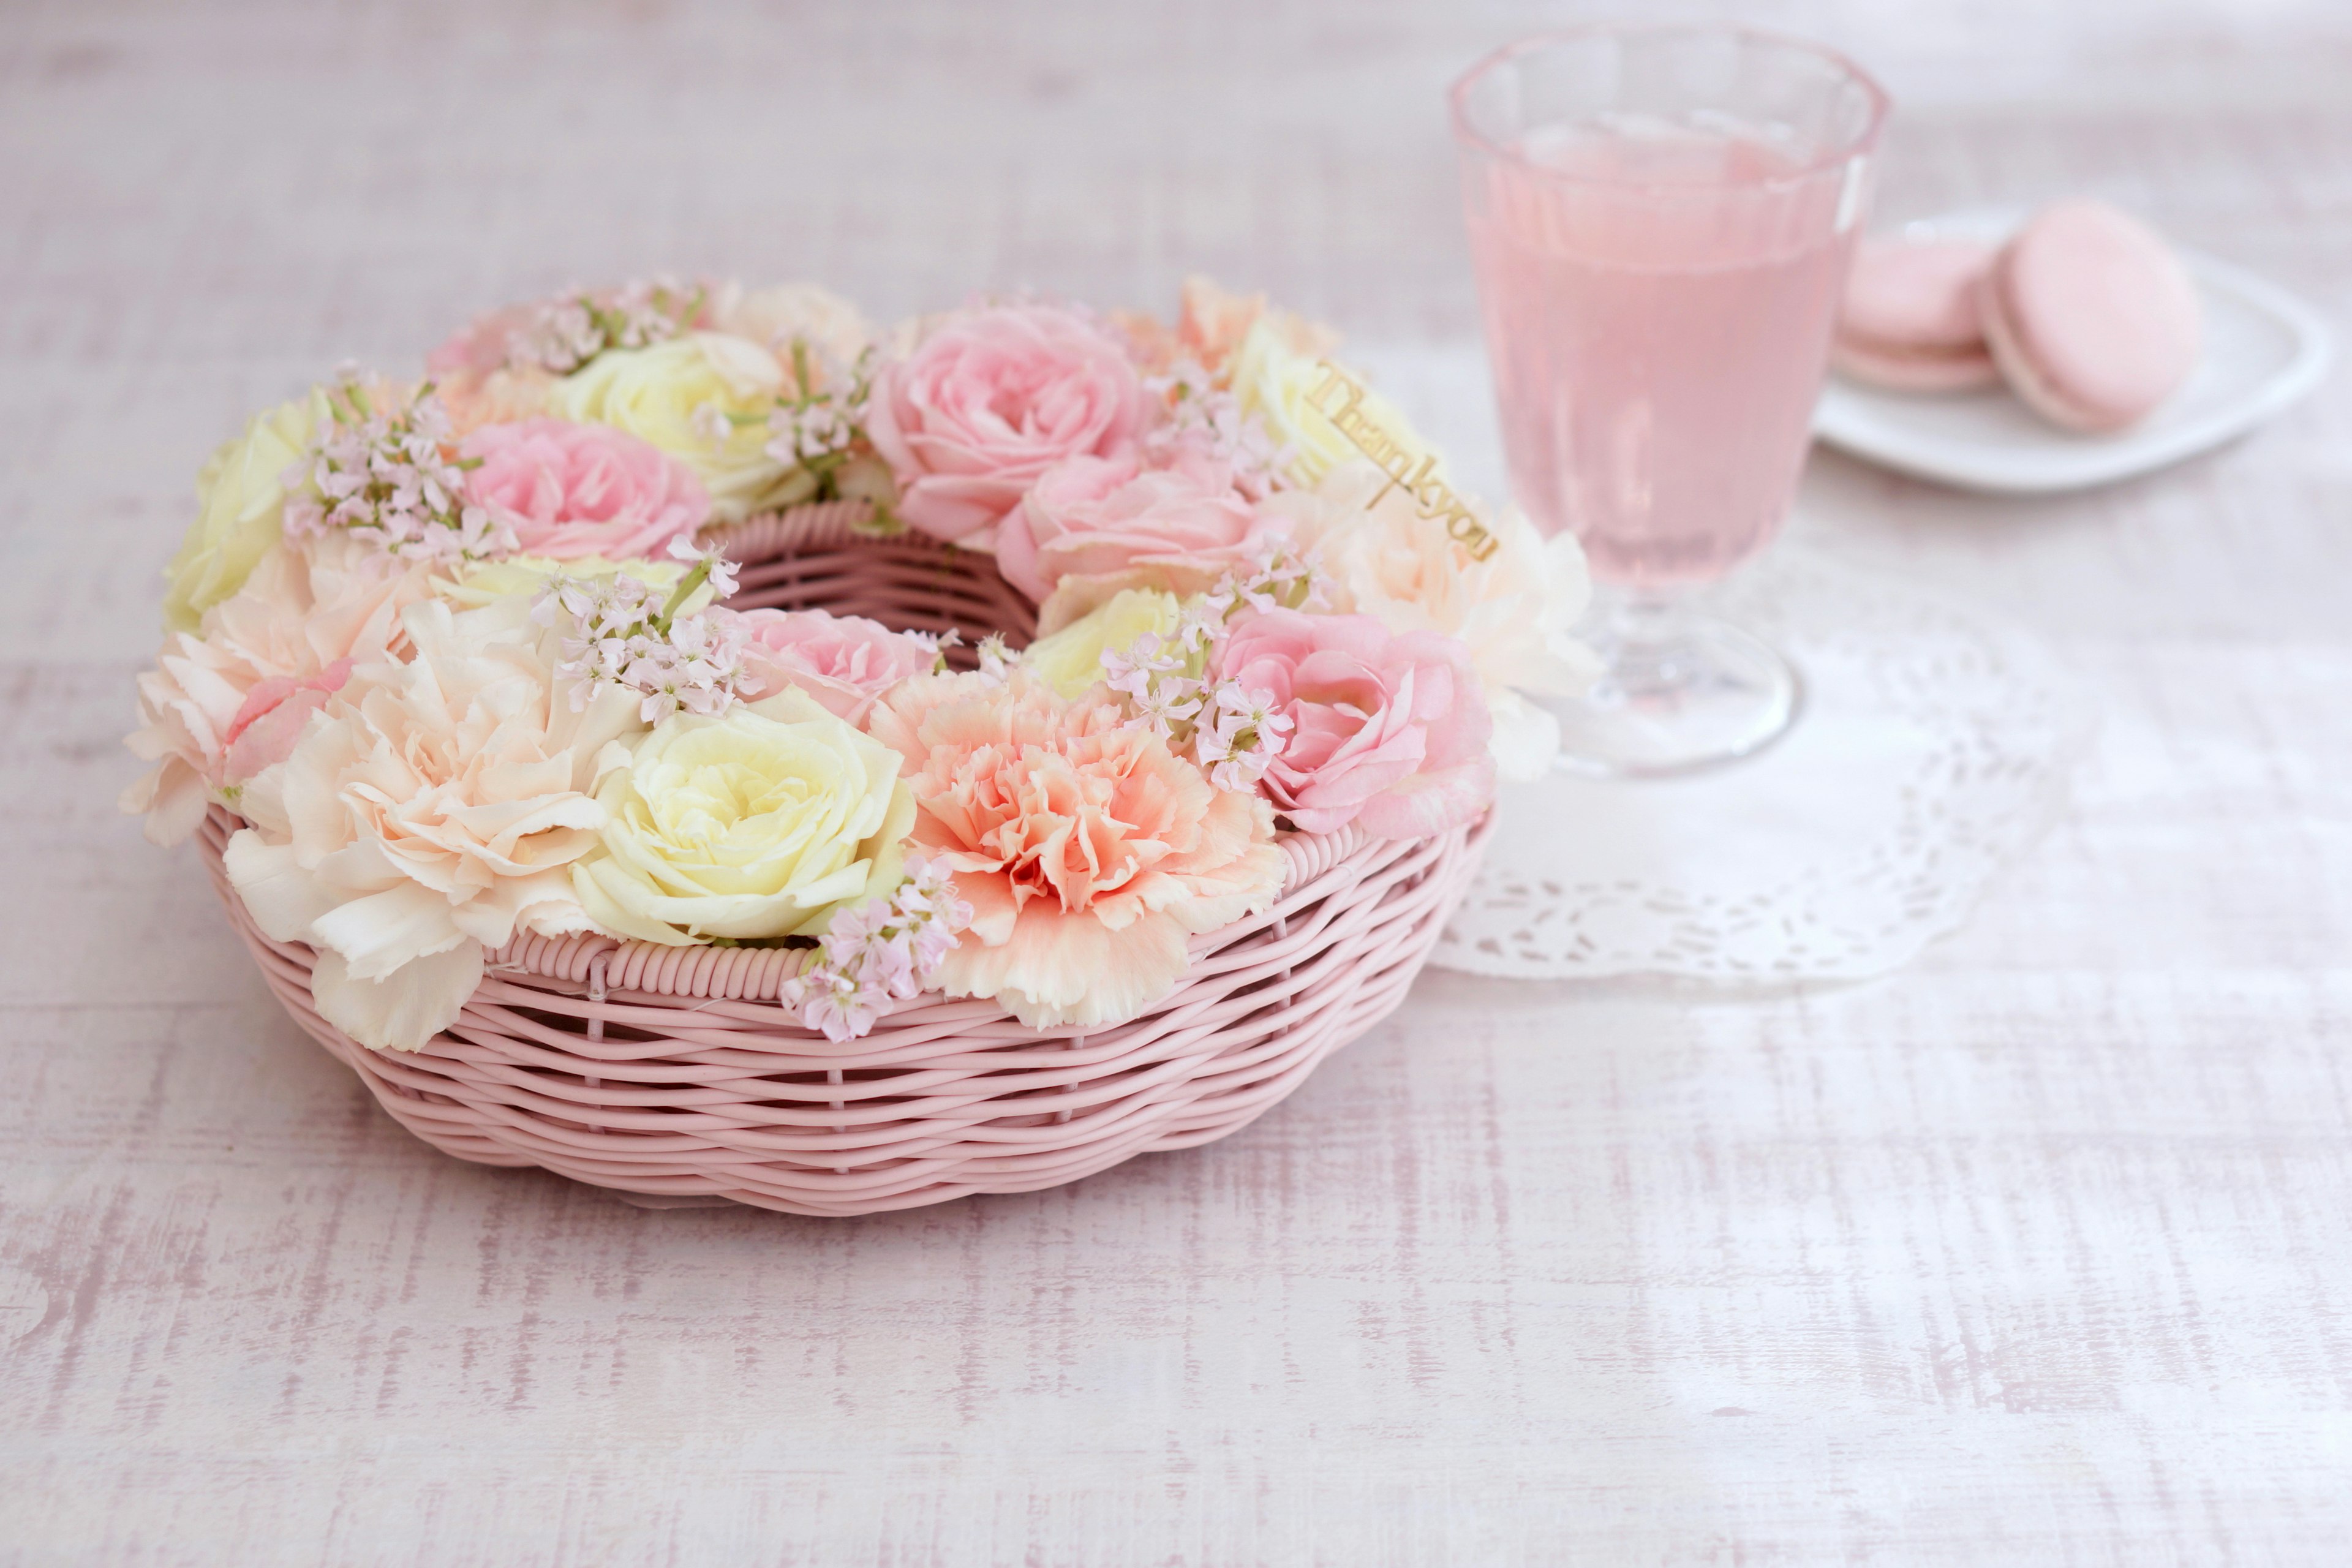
(1647, 643)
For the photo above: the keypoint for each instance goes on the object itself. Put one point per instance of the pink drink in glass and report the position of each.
(1660, 218)
(1659, 325)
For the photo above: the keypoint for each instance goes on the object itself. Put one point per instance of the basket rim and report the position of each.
(702, 971)
(607, 964)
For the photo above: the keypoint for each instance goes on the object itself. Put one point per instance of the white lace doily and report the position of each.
(1934, 746)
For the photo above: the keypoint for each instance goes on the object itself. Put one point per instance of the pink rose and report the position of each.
(1390, 731)
(569, 490)
(845, 662)
(1179, 528)
(988, 402)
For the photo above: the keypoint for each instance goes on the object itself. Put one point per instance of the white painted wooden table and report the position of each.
(2039, 1252)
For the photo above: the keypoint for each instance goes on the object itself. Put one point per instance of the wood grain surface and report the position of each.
(2036, 1253)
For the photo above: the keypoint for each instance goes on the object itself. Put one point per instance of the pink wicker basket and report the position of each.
(674, 1075)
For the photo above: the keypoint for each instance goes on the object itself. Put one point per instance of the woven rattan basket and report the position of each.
(673, 1076)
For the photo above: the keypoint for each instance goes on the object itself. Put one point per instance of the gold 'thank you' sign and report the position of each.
(1432, 497)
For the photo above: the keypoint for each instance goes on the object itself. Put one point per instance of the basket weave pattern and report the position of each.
(674, 1075)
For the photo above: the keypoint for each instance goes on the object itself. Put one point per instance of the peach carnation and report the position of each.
(988, 401)
(1088, 850)
(569, 490)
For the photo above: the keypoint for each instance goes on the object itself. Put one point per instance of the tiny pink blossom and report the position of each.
(879, 951)
(386, 469)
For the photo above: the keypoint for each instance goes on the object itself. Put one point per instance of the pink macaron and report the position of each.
(1910, 320)
(2091, 317)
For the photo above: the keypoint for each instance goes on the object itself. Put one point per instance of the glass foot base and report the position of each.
(1677, 692)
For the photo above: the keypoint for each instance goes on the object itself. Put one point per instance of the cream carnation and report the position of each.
(1088, 850)
(221, 705)
(430, 811)
(1514, 610)
(704, 398)
(749, 825)
(240, 509)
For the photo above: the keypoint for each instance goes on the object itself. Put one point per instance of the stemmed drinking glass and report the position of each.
(1661, 219)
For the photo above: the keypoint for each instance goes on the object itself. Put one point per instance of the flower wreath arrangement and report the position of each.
(457, 653)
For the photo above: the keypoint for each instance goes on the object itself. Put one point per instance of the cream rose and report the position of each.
(672, 393)
(240, 509)
(1514, 610)
(1070, 660)
(476, 584)
(756, 823)
(1277, 375)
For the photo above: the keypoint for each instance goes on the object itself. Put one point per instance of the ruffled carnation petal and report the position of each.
(429, 808)
(277, 890)
(1514, 608)
(1057, 969)
(404, 1010)
(1087, 848)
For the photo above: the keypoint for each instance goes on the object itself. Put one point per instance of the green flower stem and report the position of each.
(682, 593)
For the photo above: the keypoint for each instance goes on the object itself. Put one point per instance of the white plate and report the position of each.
(2263, 349)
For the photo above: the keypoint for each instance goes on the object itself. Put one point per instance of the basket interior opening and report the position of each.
(907, 584)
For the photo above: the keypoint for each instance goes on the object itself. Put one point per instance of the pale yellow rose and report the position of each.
(677, 394)
(756, 823)
(1277, 376)
(240, 509)
(487, 582)
(1071, 659)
